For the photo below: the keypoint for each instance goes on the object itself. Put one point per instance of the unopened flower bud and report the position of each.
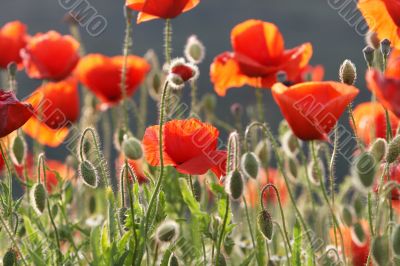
(358, 234)
(291, 166)
(380, 250)
(122, 216)
(393, 150)
(235, 184)
(173, 260)
(250, 164)
(364, 170)
(314, 171)
(396, 240)
(197, 189)
(119, 137)
(132, 148)
(89, 174)
(194, 50)
(369, 55)
(18, 150)
(38, 198)
(283, 127)
(181, 72)
(167, 231)
(265, 224)
(263, 152)
(290, 143)
(385, 47)
(378, 149)
(348, 215)
(348, 72)
(10, 258)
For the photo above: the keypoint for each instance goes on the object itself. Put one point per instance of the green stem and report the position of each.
(221, 235)
(249, 224)
(287, 245)
(13, 240)
(260, 105)
(194, 97)
(167, 40)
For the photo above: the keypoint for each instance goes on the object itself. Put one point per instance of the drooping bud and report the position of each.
(194, 50)
(132, 148)
(364, 170)
(380, 250)
(181, 72)
(290, 143)
(393, 150)
(263, 151)
(291, 167)
(396, 240)
(235, 184)
(250, 164)
(348, 72)
(348, 215)
(173, 260)
(314, 171)
(119, 138)
(89, 174)
(18, 150)
(358, 234)
(378, 149)
(10, 258)
(168, 231)
(369, 55)
(265, 224)
(385, 47)
(38, 198)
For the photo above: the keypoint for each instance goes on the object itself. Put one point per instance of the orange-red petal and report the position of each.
(13, 37)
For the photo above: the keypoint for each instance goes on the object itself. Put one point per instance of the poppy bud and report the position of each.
(385, 47)
(89, 174)
(168, 231)
(132, 148)
(181, 72)
(209, 102)
(290, 143)
(18, 150)
(347, 215)
(281, 76)
(10, 258)
(119, 137)
(348, 72)
(380, 250)
(364, 170)
(221, 260)
(396, 240)
(265, 224)
(291, 166)
(194, 50)
(393, 150)
(250, 164)
(314, 171)
(197, 189)
(235, 185)
(263, 152)
(173, 261)
(369, 55)
(358, 234)
(372, 39)
(378, 149)
(283, 127)
(12, 69)
(38, 198)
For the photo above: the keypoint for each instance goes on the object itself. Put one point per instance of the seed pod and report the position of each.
(385, 47)
(369, 55)
(167, 231)
(265, 224)
(194, 50)
(396, 240)
(235, 182)
(348, 72)
(132, 148)
(38, 198)
(380, 250)
(378, 149)
(250, 164)
(89, 174)
(18, 150)
(393, 150)
(364, 170)
(358, 234)
(348, 216)
(173, 261)
(10, 258)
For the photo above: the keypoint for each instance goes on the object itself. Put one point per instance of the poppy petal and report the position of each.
(151, 148)
(215, 160)
(45, 135)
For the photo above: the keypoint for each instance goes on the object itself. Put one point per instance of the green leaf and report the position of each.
(296, 248)
(95, 237)
(247, 260)
(165, 258)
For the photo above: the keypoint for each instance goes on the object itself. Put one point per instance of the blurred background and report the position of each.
(327, 24)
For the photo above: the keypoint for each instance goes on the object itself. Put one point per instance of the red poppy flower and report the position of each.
(270, 176)
(383, 17)
(50, 56)
(313, 108)
(13, 38)
(386, 86)
(258, 55)
(56, 108)
(189, 145)
(153, 9)
(136, 165)
(102, 75)
(13, 113)
(371, 121)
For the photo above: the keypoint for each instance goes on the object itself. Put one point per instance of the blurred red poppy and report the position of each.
(13, 38)
(254, 187)
(386, 86)
(56, 108)
(153, 9)
(383, 17)
(102, 75)
(136, 165)
(313, 108)
(371, 121)
(189, 145)
(13, 113)
(310, 73)
(50, 56)
(258, 55)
